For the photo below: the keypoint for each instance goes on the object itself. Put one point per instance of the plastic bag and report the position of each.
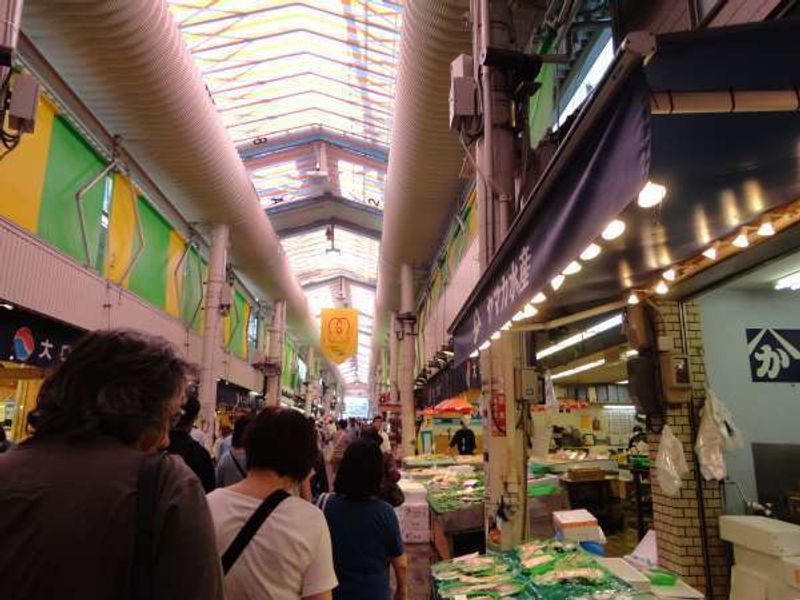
(550, 401)
(717, 433)
(730, 434)
(671, 464)
(709, 446)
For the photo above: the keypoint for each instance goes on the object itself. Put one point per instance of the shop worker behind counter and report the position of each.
(89, 487)
(464, 439)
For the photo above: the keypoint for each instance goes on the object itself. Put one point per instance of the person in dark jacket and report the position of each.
(69, 493)
(181, 442)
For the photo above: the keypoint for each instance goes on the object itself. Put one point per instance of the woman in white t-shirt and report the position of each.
(289, 556)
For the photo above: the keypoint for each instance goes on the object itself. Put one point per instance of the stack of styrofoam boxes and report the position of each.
(413, 514)
(578, 526)
(767, 556)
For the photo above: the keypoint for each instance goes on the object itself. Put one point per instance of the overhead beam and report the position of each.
(302, 215)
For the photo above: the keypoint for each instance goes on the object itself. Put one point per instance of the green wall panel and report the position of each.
(148, 278)
(238, 326)
(71, 164)
(194, 269)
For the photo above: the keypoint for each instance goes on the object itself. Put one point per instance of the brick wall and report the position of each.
(677, 520)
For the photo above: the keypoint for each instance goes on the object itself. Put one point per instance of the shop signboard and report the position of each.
(34, 340)
(774, 355)
(604, 175)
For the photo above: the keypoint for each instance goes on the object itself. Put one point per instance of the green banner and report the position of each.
(71, 164)
(148, 278)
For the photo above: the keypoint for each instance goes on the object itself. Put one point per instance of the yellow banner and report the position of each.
(339, 334)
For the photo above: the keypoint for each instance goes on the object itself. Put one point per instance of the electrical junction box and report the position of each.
(530, 381)
(676, 378)
(462, 67)
(24, 101)
(462, 90)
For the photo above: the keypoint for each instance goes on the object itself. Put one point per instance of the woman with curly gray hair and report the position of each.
(89, 507)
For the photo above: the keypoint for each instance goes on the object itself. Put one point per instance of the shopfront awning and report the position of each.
(713, 116)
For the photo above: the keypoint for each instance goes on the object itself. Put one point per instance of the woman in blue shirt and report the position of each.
(364, 530)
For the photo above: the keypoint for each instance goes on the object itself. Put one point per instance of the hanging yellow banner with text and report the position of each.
(339, 336)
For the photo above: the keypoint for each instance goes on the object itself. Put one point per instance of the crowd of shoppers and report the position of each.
(106, 495)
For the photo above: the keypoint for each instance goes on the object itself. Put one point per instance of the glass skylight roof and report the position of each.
(306, 172)
(353, 256)
(308, 71)
(274, 65)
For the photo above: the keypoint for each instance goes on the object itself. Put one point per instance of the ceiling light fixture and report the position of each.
(651, 195)
(572, 340)
(710, 252)
(579, 369)
(474, 354)
(572, 268)
(556, 282)
(613, 230)
(485, 345)
(520, 316)
(741, 240)
(592, 251)
(766, 229)
(670, 274)
(662, 288)
(539, 298)
(506, 327)
(790, 282)
(496, 335)
(529, 311)
(633, 299)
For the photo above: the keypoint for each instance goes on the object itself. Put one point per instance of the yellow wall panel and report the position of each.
(22, 171)
(174, 284)
(121, 229)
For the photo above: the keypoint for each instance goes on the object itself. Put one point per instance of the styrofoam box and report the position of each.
(748, 584)
(584, 534)
(769, 536)
(414, 492)
(776, 568)
(414, 522)
(622, 569)
(571, 519)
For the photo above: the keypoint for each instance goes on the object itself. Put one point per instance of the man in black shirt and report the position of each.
(464, 439)
(181, 442)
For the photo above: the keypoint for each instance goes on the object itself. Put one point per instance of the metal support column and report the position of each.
(212, 333)
(310, 378)
(275, 358)
(394, 349)
(502, 406)
(407, 327)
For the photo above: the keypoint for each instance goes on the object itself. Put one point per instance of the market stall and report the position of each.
(549, 569)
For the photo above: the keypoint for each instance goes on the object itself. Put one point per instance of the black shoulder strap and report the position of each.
(250, 528)
(143, 547)
(239, 468)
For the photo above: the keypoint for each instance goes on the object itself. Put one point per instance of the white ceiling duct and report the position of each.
(422, 180)
(127, 61)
